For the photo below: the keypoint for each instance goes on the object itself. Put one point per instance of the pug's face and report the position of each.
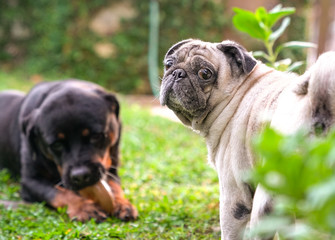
(195, 71)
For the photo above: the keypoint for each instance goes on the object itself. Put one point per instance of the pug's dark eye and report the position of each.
(57, 146)
(168, 64)
(205, 73)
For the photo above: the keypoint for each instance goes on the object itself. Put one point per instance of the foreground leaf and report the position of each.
(275, 35)
(295, 44)
(247, 22)
(277, 12)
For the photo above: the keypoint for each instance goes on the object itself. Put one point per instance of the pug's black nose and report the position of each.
(179, 73)
(80, 175)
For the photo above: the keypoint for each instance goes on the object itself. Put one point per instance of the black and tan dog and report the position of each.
(62, 137)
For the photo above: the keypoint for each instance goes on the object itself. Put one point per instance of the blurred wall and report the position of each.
(321, 24)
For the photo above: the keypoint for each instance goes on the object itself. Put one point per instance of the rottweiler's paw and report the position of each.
(85, 211)
(125, 211)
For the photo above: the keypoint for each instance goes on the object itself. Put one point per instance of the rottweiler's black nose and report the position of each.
(80, 175)
(179, 73)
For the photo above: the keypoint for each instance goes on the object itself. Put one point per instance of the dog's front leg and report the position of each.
(78, 208)
(262, 205)
(235, 205)
(233, 216)
(123, 209)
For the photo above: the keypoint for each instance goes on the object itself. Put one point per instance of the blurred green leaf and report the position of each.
(275, 35)
(260, 54)
(277, 12)
(298, 171)
(268, 226)
(259, 25)
(295, 44)
(261, 15)
(294, 66)
(276, 8)
(282, 65)
(319, 194)
(247, 22)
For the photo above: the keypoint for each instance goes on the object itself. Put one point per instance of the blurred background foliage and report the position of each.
(59, 39)
(299, 172)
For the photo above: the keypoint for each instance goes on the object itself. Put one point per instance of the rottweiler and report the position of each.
(60, 138)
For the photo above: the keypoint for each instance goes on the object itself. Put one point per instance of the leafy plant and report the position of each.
(299, 171)
(260, 25)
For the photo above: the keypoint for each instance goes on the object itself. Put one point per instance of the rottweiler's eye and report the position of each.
(205, 73)
(97, 138)
(168, 64)
(57, 146)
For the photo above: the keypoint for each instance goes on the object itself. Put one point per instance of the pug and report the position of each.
(227, 96)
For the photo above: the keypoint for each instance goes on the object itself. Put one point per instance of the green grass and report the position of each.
(17, 81)
(164, 173)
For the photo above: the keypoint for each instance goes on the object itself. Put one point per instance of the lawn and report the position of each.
(164, 173)
(17, 80)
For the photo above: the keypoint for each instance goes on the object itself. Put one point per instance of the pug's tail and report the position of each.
(321, 91)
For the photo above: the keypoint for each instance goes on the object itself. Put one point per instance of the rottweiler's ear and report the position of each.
(238, 57)
(28, 126)
(28, 123)
(113, 103)
(176, 46)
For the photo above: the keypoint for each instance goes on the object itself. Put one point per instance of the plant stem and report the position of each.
(153, 47)
(269, 48)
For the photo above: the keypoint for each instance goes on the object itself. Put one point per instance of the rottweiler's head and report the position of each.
(75, 130)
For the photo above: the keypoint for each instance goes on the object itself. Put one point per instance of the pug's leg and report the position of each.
(234, 213)
(262, 205)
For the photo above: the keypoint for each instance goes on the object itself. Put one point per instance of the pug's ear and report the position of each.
(241, 62)
(177, 46)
